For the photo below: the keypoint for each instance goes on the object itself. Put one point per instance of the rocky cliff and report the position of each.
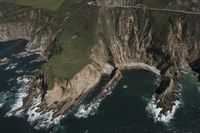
(143, 36)
(27, 23)
(169, 41)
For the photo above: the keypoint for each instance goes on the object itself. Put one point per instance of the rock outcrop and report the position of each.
(31, 24)
(134, 38)
(162, 42)
(168, 41)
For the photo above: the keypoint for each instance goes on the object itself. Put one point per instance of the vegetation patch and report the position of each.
(75, 42)
(47, 4)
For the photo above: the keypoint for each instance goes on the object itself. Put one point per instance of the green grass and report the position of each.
(47, 4)
(74, 54)
(157, 3)
(75, 51)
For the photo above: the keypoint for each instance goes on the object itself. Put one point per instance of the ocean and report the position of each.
(128, 109)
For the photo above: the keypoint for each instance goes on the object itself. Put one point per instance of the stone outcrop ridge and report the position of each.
(131, 36)
(127, 39)
(168, 42)
(29, 25)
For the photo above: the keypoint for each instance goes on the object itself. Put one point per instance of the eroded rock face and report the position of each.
(163, 42)
(141, 36)
(136, 38)
(70, 93)
(29, 25)
(168, 41)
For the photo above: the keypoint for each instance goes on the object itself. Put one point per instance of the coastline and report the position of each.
(89, 108)
(139, 65)
(129, 46)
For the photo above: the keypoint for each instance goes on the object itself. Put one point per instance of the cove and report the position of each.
(124, 111)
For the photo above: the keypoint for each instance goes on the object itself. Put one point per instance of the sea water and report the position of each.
(125, 110)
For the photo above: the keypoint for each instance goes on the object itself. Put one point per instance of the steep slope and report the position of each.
(163, 37)
(27, 23)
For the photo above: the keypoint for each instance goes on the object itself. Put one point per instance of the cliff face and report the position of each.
(167, 41)
(162, 41)
(68, 94)
(29, 24)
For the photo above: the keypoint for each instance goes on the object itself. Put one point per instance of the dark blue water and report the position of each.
(9, 88)
(124, 111)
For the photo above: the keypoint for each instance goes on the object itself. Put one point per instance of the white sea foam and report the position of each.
(153, 110)
(38, 119)
(3, 98)
(109, 93)
(19, 71)
(23, 80)
(125, 86)
(1, 105)
(22, 54)
(36, 60)
(29, 52)
(32, 114)
(11, 66)
(157, 81)
(89, 109)
(91, 3)
(21, 93)
(186, 71)
(10, 80)
(4, 61)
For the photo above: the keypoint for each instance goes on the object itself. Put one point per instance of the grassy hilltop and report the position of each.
(78, 22)
(71, 48)
(48, 4)
(76, 40)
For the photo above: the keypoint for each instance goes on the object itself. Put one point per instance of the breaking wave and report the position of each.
(41, 120)
(37, 119)
(11, 66)
(85, 110)
(89, 109)
(3, 99)
(19, 71)
(22, 92)
(155, 111)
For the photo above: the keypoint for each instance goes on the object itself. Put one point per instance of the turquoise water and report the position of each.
(123, 111)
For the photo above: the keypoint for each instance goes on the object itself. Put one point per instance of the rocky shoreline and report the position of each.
(105, 90)
(126, 39)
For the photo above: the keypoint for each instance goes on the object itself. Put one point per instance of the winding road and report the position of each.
(151, 8)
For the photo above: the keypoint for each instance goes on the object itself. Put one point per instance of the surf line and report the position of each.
(84, 110)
